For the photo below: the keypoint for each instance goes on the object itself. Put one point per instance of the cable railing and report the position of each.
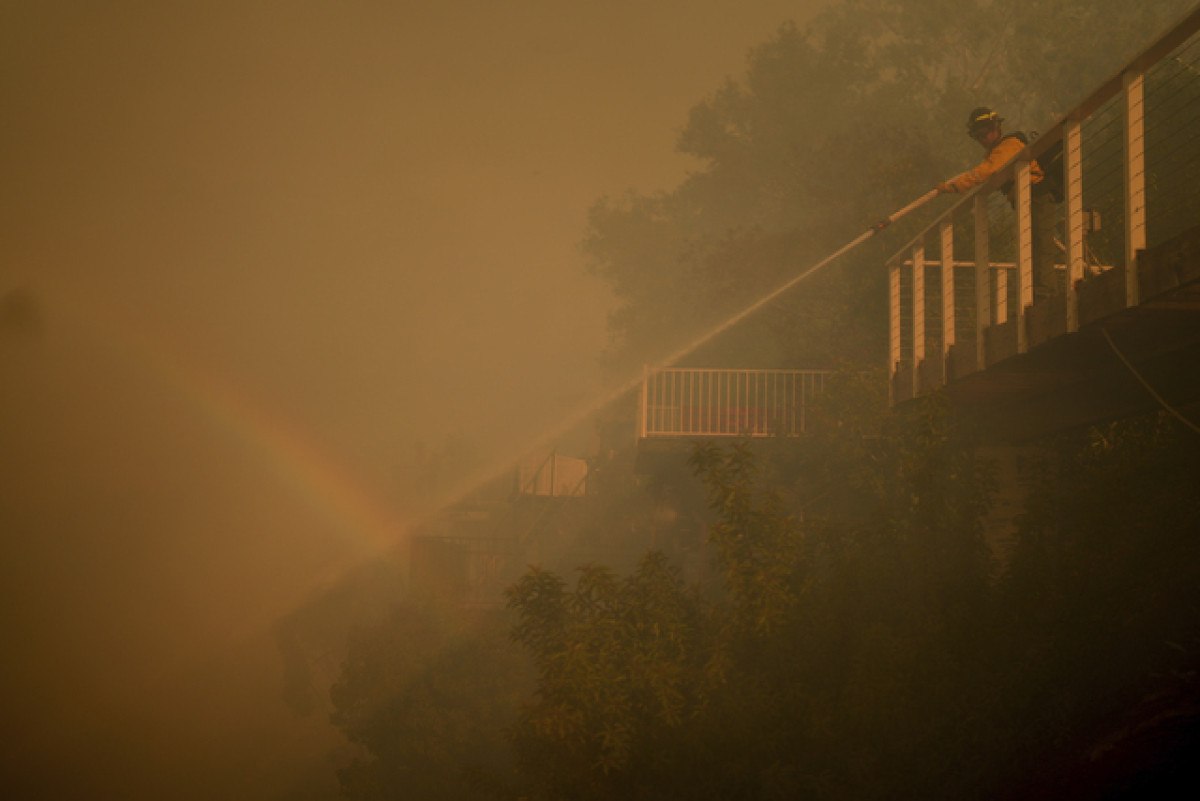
(961, 293)
(695, 402)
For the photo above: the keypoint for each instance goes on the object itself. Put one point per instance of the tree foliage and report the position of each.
(428, 694)
(816, 634)
(865, 644)
(617, 670)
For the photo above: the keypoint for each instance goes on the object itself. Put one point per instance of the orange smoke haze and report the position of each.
(257, 252)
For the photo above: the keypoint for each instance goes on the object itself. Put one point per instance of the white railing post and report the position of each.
(893, 328)
(795, 415)
(983, 274)
(946, 238)
(723, 410)
(797, 410)
(1135, 179)
(687, 416)
(1000, 297)
(1073, 181)
(1024, 251)
(918, 315)
(673, 404)
(645, 399)
(709, 396)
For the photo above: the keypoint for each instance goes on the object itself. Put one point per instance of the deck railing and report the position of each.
(692, 402)
(961, 292)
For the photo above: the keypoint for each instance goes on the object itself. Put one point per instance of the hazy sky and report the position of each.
(271, 245)
(356, 212)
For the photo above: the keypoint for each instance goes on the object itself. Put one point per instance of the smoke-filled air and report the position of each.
(534, 400)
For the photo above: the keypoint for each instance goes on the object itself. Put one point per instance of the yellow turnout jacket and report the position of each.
(1000, 154)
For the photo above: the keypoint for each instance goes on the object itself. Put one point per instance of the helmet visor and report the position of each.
(982, 121)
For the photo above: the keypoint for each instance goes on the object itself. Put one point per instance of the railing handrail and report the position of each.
(1172, 37)
(773, 370)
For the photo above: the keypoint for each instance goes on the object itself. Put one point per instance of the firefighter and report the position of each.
(985, 126)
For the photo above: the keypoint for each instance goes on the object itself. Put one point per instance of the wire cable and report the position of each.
(1158, 398)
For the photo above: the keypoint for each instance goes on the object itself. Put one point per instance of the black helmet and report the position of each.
(982, 118)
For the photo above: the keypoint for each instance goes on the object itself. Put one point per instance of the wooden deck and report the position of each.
(1069, 380)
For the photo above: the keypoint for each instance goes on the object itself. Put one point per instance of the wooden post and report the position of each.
(946, 232)
(893, 328)
(1135, 179)
(983, 306)
(1073, 181)
(1024, 251)
(645, 400)
(918, 311)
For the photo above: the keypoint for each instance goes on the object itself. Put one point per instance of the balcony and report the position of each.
(695, 403)
(1122, 336)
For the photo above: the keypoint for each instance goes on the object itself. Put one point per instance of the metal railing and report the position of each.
(555, 476)
(693, 402)
(961, 293)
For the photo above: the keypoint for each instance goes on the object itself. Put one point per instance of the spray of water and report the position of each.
(579, 416)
